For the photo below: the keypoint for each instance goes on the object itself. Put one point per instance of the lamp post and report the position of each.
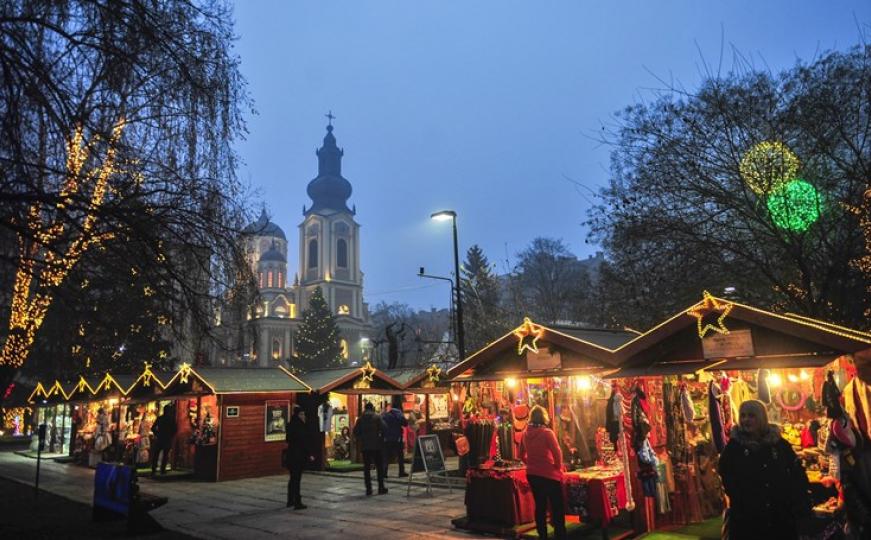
(443, 216)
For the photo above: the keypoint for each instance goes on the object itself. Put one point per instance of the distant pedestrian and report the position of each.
(394, 435)
(164, 430)
(298, 455)
(540, 451)
(369, 432)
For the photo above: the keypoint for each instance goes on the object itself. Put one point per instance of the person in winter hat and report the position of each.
(541, 452)
(766, 485)
(394, 435)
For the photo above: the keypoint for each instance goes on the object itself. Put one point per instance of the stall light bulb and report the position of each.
(792, 378)
(804, 375)
(511, 382)
(774, 380)
(456, 397)
(583, 383)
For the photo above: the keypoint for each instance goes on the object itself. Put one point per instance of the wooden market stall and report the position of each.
(336, 401)
(429, 405)
(554, 367)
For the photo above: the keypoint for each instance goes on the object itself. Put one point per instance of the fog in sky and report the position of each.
(483, 107)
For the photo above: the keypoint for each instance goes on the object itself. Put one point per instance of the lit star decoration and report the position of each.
(528, 335)
(433, 372)
(184, 372)
(795, 206)
(708, 305)
(768, 166)
(147, 375)
(368, 372)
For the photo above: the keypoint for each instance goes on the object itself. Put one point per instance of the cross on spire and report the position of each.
(330, 116)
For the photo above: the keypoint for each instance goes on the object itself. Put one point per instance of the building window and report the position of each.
(276, 349)
(261, 280)
(313, 254)
(342, 253)
(281, 280)
(269, 279)
(344, 309)
(344, 346)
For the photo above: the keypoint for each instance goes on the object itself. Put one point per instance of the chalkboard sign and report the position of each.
(428, 455)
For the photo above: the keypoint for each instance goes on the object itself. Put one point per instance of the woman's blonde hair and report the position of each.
(539, 416)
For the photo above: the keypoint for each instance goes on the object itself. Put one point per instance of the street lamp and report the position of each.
(445, 215)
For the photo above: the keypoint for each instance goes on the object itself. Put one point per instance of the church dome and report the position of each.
(272, 255)
(264, 227)
(330, 190)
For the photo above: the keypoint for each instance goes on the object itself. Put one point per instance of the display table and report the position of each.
(499, 496)
(595, 494)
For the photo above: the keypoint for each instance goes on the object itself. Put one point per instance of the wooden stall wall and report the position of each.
(244, 452)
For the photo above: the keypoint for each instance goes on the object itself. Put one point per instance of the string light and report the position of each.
(433, 372)
(794, 206)
(709, 304)
(30, 301)
(767, 166)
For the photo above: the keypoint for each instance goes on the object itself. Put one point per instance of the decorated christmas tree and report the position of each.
(318, 343)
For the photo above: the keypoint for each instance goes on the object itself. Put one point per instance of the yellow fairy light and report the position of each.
(433, 372)
(583, 383)
(528, 335)
(368, 372)
(184, 372)
(768, 166)
(793, 378)
(708, 305)
(803, 375)
(774, 380)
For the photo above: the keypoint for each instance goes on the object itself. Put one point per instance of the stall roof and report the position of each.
(424, 378)
(232, 380)
(581, 350)
(345, 380)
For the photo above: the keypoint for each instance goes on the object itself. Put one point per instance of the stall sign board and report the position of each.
(232, 412)
(276, 419)
(734, 344)
(429, 459)
(543, 359)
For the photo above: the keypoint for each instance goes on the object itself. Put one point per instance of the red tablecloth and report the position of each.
(595, 494)
(499, 497)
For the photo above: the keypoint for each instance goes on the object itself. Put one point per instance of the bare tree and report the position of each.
(680, 215)
(117, 120)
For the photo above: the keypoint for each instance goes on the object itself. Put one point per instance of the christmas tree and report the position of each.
(318, 343)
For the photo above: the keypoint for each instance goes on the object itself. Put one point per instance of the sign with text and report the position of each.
(277, 416)
(735, 343)
(543, 359)
(428, 455)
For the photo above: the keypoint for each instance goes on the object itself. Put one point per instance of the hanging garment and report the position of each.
(640, 420)
(715, 414)
(686, 404)
(831, 396)
(614, 415)
(739, 392)
(857, 402)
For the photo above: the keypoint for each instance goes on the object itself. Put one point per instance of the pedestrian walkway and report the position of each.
(255, 508)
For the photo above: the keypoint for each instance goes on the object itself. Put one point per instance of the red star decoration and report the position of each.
(709, 305)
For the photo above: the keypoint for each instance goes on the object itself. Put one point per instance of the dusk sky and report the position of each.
(483, 107)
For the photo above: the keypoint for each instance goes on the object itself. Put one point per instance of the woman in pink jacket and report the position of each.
(540, 451)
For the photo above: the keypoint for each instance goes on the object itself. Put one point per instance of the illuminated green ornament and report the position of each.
(795, 206)
(768, 166)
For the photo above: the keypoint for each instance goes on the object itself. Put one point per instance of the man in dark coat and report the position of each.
(766, 485)
(369, 431)
(297, 456)
(394, 435)
(164, 430)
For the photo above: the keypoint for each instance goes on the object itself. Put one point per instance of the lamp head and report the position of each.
(444, 215)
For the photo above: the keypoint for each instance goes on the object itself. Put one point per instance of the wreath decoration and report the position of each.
(795, 398)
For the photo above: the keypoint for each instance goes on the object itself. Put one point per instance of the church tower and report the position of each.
(329, 246)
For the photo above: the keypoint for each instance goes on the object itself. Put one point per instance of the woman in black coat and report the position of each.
(297, 456)
(766, 485)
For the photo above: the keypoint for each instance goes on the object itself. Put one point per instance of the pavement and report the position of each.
(255, 508)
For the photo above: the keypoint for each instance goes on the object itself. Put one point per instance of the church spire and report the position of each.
(329, 190)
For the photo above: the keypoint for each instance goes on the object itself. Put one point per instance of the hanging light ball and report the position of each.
(768, 166)
(795, 206)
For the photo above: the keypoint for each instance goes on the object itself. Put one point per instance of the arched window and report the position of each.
(281, 279)
(276, 349)
(269, 279)
(313, 254)
(344, 346)
(342, 253)
(261, 280)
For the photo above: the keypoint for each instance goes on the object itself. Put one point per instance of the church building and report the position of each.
(329, 257)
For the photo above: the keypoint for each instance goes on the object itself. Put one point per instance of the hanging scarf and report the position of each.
(640, 421)
(686, 404)
(832, 397)
(716, 416)
(726, 406)
(762, 386)
(739, 392)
